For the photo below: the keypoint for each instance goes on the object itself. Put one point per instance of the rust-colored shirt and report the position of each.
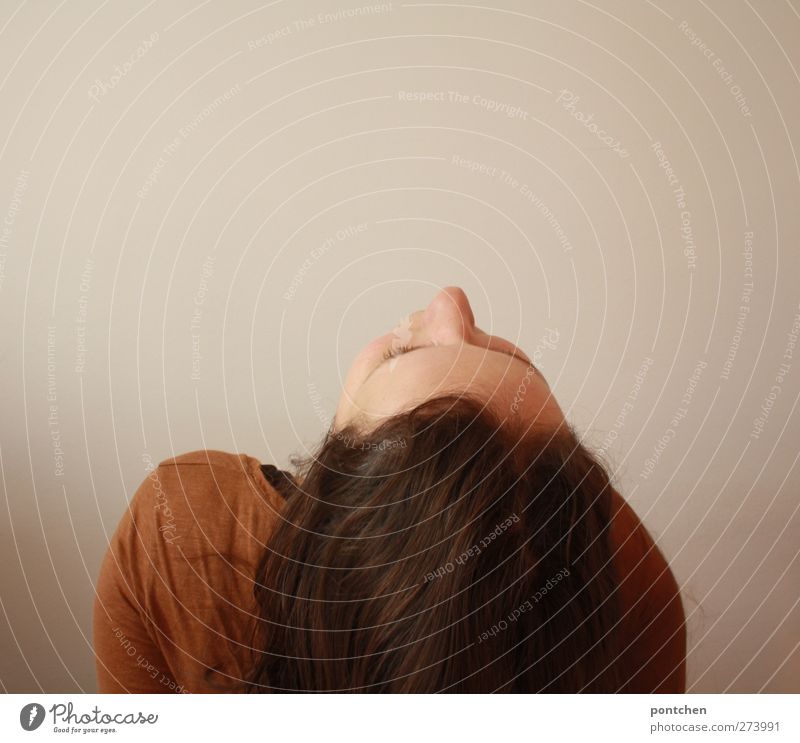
(175, 590)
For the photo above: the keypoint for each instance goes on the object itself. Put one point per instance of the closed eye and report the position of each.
(390, 352)
(393, 352)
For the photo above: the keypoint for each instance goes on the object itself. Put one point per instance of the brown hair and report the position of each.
(445, 550)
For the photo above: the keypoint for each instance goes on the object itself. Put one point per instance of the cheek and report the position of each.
(366, 360)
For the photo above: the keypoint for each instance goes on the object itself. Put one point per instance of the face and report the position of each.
(440, 350)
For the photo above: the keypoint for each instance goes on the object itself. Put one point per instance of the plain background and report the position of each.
(180, 185)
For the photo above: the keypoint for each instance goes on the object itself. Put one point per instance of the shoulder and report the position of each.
(641, 566)
(629, 534)
(653, 616)
(180, 567)
(206, 500)
(216, 474)
(209, 458)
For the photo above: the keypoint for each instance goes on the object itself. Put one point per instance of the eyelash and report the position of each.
(390, 353)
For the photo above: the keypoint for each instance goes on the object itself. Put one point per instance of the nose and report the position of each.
(449, 316)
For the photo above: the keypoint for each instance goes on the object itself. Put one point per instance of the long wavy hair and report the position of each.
(446, 550)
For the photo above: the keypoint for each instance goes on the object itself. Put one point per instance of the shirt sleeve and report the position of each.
(175, 605)
(653, 652)
(126, 657)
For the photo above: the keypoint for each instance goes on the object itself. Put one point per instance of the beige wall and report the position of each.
(260, 190)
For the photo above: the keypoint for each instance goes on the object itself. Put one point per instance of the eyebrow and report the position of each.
(420, 348)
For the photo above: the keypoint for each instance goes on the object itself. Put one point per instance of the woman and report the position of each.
(450, 534)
